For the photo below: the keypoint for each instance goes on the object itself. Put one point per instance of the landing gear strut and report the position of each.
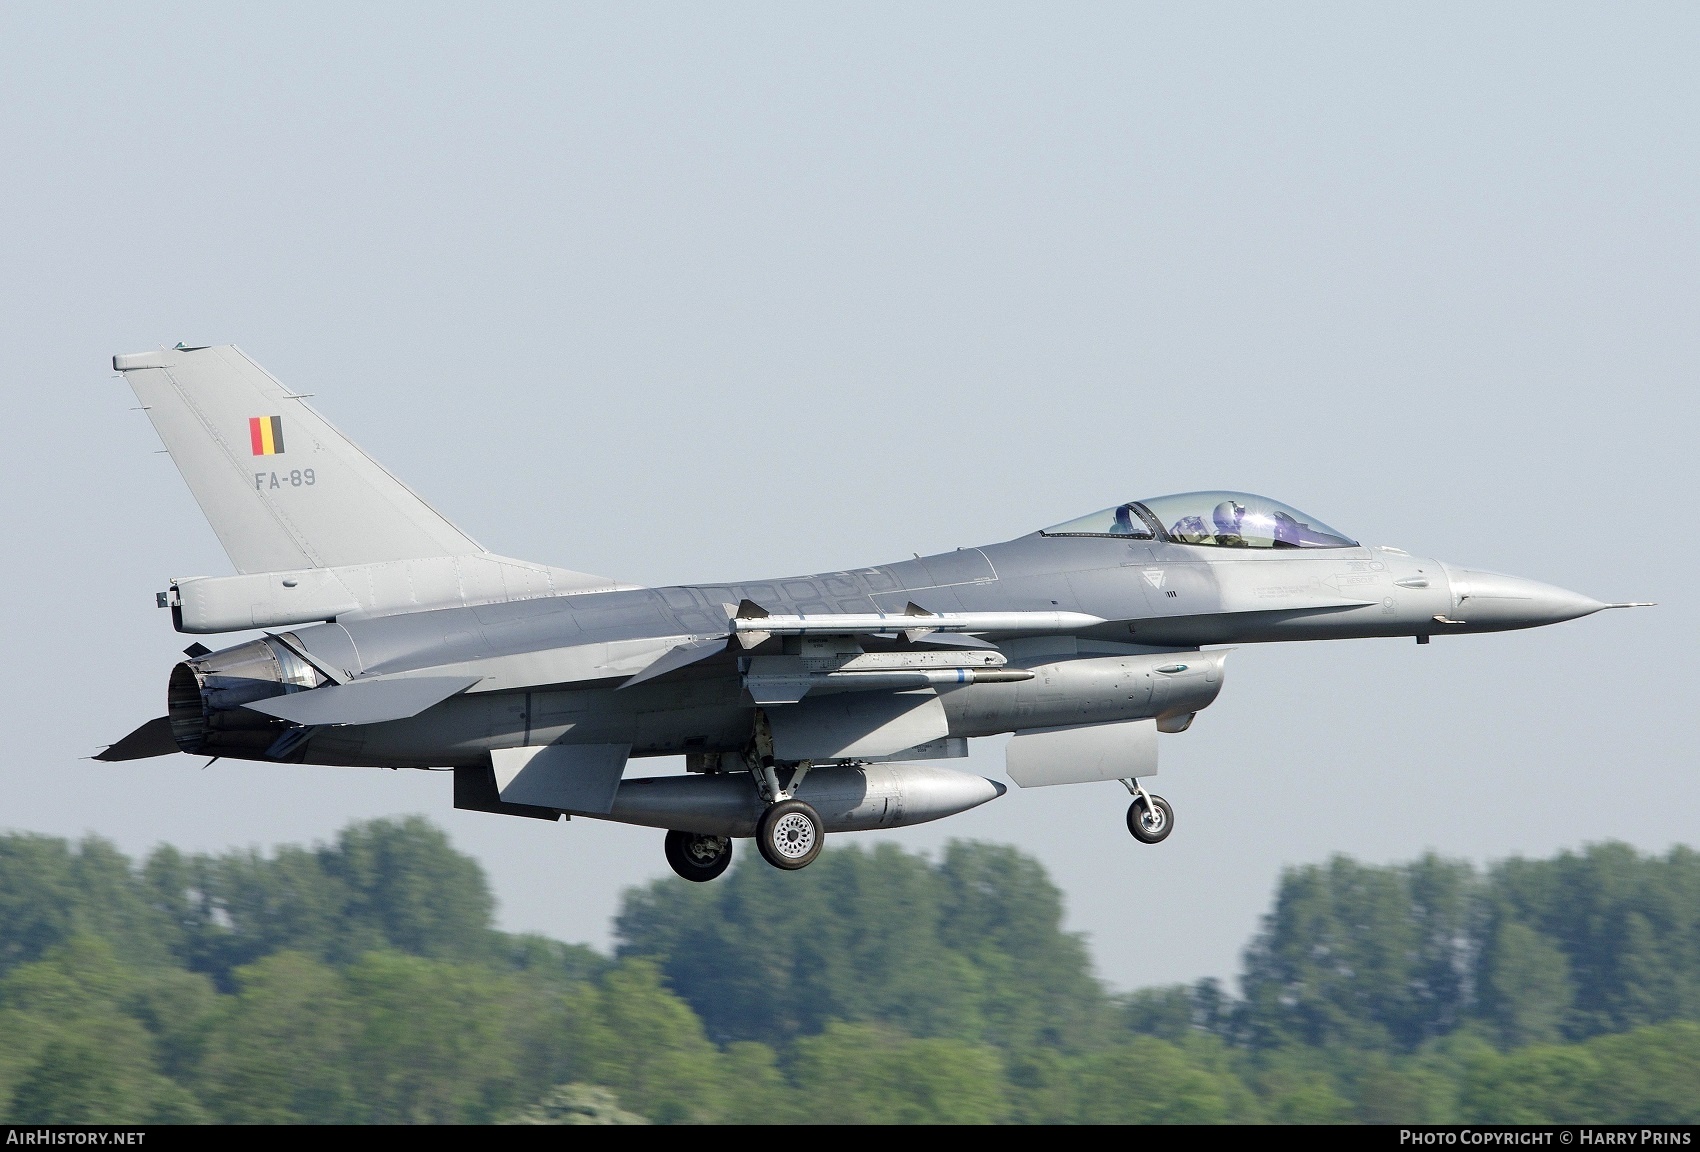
(1149, 817)
(698, 858)
(789, 833)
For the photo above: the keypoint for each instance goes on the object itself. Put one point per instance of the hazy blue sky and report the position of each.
(714, 291)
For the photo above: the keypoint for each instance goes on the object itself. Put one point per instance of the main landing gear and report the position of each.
(696, 857)
(1149, 817)
(789, 835)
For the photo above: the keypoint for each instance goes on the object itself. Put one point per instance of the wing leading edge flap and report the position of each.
(364, 701)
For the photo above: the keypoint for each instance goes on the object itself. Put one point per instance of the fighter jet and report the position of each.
(802, 705)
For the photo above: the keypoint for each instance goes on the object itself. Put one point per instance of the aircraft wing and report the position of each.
(645, 658)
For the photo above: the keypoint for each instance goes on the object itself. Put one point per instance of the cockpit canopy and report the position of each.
(1218, 519)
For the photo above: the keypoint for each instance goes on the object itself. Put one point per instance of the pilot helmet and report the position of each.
(1227, 517)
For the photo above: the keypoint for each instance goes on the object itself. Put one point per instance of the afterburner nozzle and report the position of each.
(206, 694)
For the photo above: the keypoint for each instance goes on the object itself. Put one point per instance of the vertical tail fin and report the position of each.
(281, 487)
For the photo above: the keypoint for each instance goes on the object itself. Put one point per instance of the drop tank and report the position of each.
(848, 799)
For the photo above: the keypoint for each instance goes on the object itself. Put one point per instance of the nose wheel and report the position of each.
(698, 859)
(789, 835)
(1149, 817)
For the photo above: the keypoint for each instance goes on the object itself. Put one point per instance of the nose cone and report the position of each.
(1493, 602)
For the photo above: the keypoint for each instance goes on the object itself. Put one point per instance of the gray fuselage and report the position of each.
(1154, 597)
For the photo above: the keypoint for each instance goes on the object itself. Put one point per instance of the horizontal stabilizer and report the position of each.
(151, 739)
(364, 701)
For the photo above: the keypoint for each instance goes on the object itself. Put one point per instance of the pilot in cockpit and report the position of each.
(1227, 517)
(1217, 519)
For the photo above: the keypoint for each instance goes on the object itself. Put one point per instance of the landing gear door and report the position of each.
(1079, 753)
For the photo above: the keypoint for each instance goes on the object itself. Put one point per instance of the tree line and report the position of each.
(364, 981)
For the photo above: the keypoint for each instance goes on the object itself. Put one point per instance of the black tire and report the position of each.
(789, 835)
(696, 857)
(1150, 826)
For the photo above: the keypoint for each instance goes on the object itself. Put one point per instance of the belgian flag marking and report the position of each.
(266, 434)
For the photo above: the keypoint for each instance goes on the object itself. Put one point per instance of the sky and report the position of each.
(677, 293)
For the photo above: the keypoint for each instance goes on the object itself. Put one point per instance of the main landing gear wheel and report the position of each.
(698, 858)
(1150, 824)
(789, 835)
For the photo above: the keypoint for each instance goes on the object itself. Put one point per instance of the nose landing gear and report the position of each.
(698, 858)
(1149, 817)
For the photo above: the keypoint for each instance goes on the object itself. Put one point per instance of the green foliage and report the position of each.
(1537, 951)
(412, 891)
(281, 1049)
(392, 885)
(1527, 992)
(1362, 956)
(431, 1048)
(871, 1074)
(362, 981)
(1298, 1086)
(1147, 1081)
(1178, 1011)
(49, 894)
(1627, 925)
(577, 1104)
(1648, 1075)
(970, 948)
(1391, 1090)
(630, 1033)
(76, 1051)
